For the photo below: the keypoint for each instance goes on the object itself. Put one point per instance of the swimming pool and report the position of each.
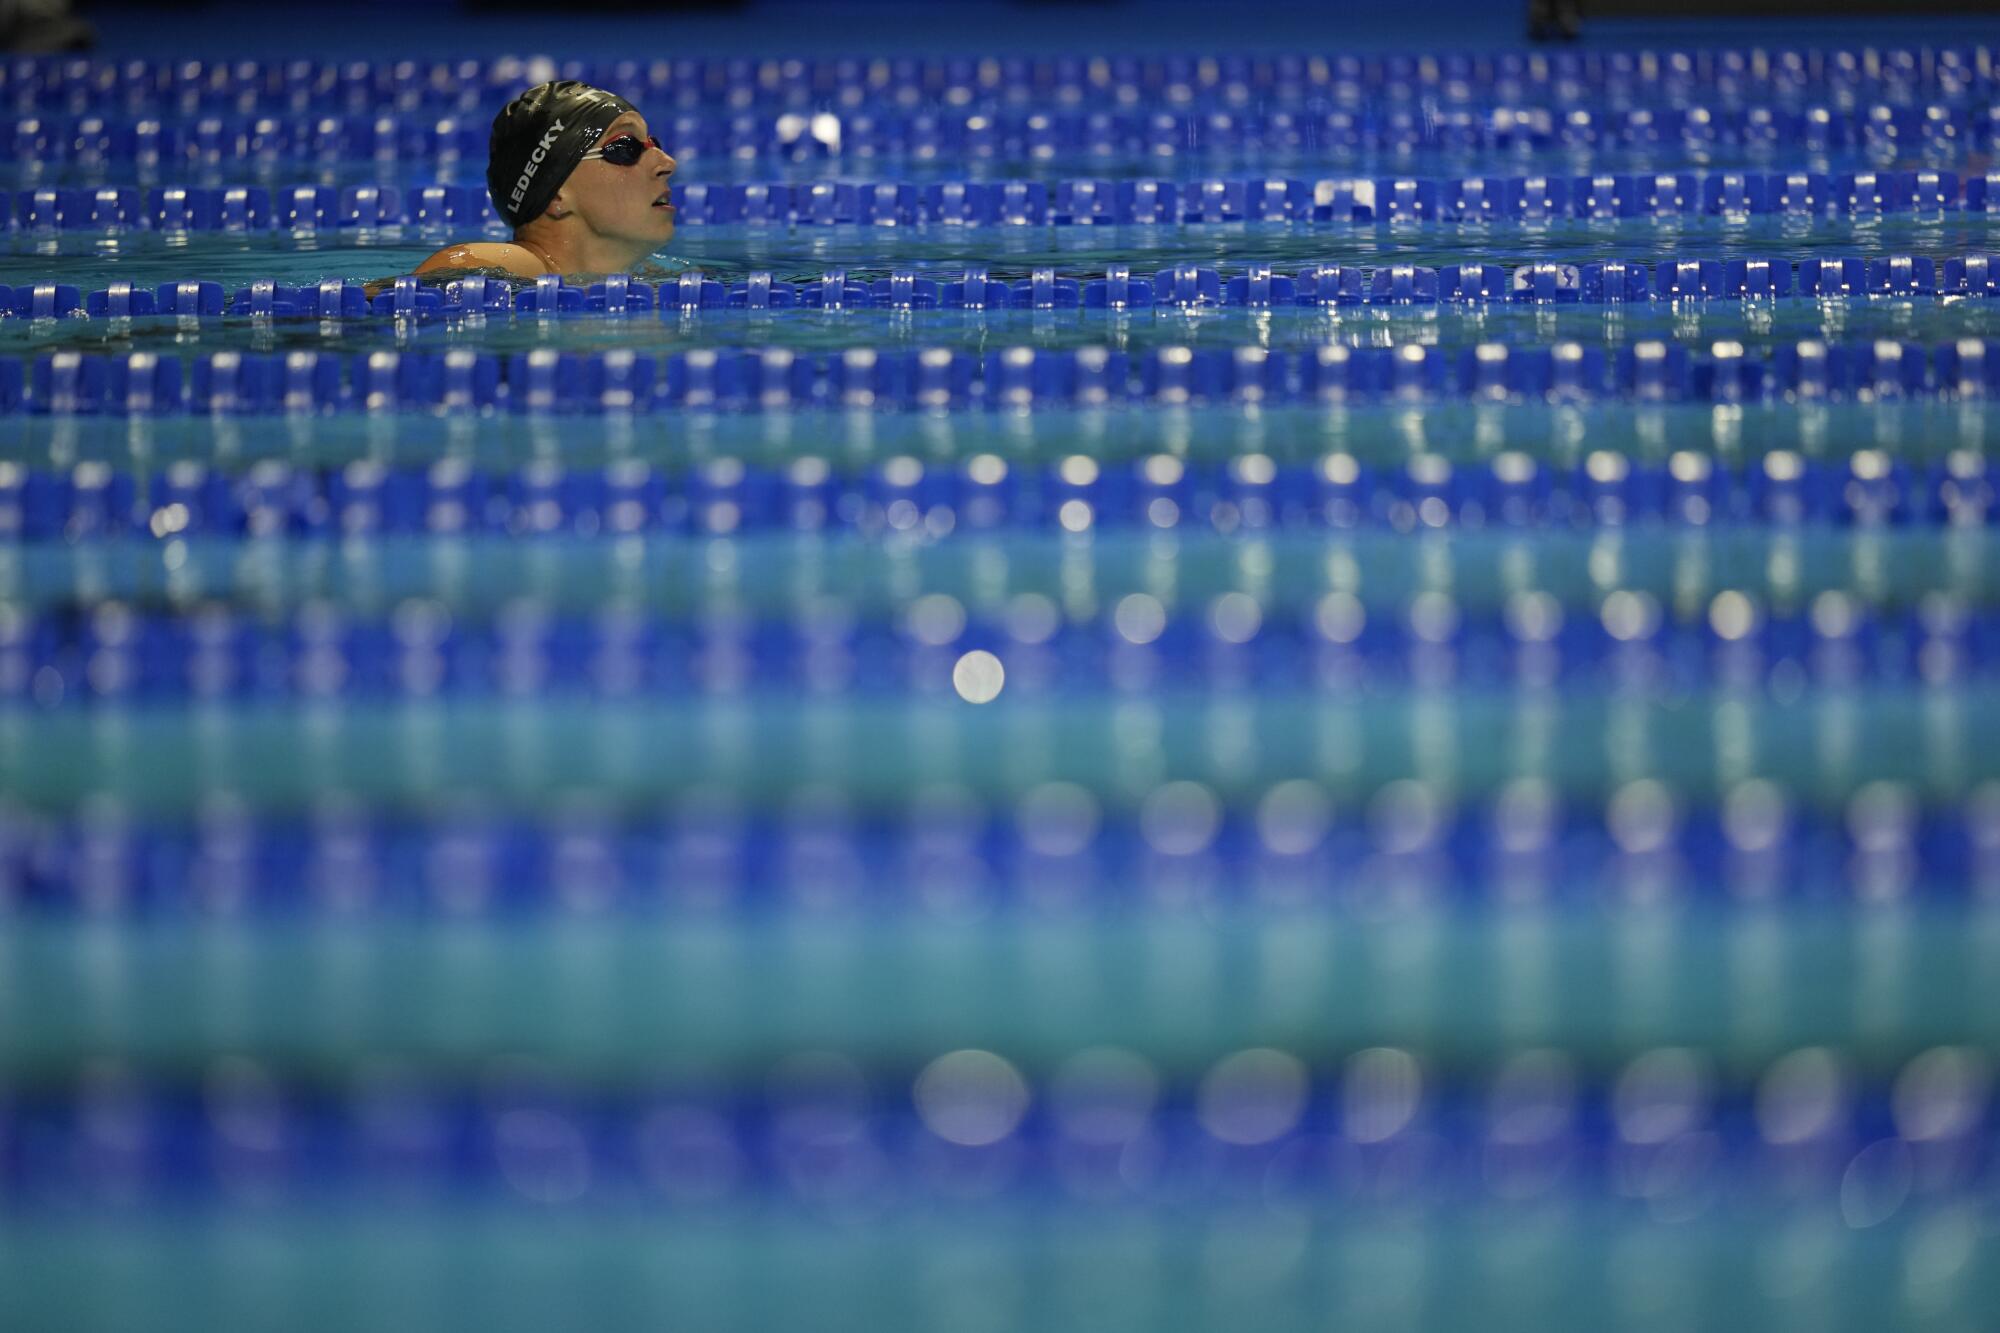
(1123, 692)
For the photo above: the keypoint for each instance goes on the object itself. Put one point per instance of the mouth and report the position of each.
(665, 201)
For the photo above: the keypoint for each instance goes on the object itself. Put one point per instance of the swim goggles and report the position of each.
(622, 151)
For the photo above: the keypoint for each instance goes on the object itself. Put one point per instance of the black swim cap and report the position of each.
(538, 139)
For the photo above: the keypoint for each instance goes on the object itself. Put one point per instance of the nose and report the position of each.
(671, 165)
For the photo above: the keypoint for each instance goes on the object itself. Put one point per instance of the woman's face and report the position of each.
(628, 203)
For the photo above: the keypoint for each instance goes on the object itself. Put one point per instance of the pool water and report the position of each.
(1344, 787)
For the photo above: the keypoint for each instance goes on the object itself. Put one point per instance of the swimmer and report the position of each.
(580, 179)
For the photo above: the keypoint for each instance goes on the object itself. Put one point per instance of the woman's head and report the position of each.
(577, 166)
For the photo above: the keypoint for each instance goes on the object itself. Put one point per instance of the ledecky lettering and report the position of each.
(535, 162)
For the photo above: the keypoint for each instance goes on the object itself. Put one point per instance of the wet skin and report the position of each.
(603, 219)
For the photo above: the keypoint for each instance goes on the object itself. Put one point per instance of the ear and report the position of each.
(558, 205)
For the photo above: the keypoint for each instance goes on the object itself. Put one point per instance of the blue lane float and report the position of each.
(812, 493)
(1604, 197)
(117, 653)
(1938, 133)
(460, 1138)
(782, 379)
(1645, 76)
(1180, 288)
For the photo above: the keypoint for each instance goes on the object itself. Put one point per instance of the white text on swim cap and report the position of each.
(535, 163)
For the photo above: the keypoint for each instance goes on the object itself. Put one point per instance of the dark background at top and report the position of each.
(348, 29)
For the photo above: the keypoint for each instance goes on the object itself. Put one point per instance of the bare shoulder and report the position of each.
(515, 259)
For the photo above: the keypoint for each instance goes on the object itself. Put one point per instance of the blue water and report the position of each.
(1422, 810)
